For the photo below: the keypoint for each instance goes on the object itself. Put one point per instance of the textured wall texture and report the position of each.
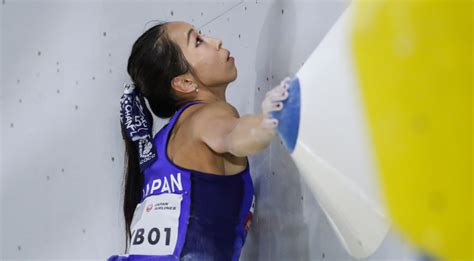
(63, 65)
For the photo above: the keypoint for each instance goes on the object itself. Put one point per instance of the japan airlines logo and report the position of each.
(149, 207)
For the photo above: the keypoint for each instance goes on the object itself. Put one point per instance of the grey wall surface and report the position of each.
(63, 65)
(289, 223)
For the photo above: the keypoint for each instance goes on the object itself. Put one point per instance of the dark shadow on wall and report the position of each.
(281, 229)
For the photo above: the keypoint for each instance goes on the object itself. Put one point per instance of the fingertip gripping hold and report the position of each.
(289, 116)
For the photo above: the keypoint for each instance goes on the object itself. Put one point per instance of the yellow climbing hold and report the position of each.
(414, 66)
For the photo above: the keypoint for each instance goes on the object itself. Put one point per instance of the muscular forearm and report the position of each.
(253, 133)
(250, 135)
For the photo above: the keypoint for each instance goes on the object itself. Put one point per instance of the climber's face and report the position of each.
(204, 54)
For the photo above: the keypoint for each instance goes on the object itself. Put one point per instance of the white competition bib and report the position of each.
(155, 225)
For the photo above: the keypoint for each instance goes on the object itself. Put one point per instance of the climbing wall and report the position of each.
(290, 224)
(63, 66)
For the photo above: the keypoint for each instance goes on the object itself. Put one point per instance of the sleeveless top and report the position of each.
(186, 214)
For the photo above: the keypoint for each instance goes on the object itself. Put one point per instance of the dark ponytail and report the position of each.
(154, 61)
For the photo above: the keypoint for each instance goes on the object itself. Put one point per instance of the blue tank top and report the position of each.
(186, 214)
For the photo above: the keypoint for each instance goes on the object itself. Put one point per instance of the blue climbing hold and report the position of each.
(289, 117)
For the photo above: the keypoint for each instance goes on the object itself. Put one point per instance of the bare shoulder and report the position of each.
(212, 122)
(220, 108)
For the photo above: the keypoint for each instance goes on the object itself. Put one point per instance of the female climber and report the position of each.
(188, 194)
